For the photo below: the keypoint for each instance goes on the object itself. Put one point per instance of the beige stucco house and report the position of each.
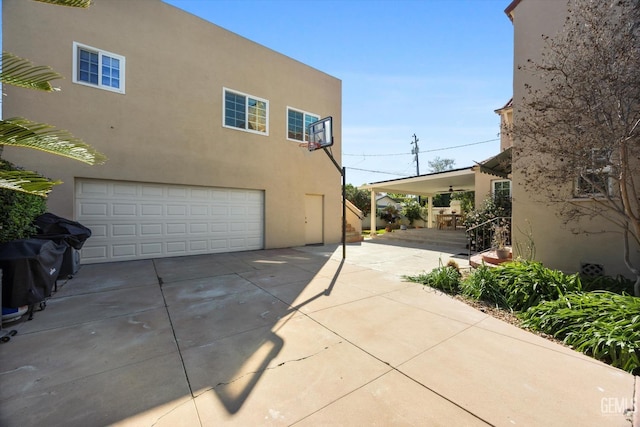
(202, 129)
(493, 176)
(592, 246)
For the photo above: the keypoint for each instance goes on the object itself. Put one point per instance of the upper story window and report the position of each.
(242, 111)
(595, 180)
(297, 124)
(98, 68)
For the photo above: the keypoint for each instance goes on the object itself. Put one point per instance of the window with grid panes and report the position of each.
(98, 68)
(297, 124)
(245, 112)
(595, 180)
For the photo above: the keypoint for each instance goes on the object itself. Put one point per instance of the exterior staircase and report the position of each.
(481, 238)
(352, 235)
(456, 239)
(489, 258)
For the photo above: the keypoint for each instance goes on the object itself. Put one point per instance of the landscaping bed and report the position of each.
(598, 317)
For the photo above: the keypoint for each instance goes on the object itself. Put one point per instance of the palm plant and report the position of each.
(20, 132)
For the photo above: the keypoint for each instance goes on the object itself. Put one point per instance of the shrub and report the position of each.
(618, 285)
(490, 209)
(444, 278)
(412, 211)
(18, 211)
(600, 324)
(528, 283)
(481, 235)
(389, 214)
(467, 200)
(481, 285)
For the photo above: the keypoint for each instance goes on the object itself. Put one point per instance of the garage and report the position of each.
(134, 220)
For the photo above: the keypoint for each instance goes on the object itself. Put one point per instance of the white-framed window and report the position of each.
(98, 68)
(245, 112)
(595, 180)
(501, 189)
(297, 124)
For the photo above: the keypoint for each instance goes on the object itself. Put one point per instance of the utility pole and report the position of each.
(415, 150)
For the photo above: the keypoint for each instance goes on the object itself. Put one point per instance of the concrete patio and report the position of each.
(291, 337)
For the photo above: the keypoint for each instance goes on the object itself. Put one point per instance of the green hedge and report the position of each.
(601, 324)
(18, 211)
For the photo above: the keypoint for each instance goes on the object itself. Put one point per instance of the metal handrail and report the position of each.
(487, 222)
(481, 245)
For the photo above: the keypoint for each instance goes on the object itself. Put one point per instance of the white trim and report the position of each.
(601, 163)
(246, 95)
(305, 113)
(100, 52)
(579, 195)
(493, 186)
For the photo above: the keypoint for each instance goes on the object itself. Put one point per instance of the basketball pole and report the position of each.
(343, 173)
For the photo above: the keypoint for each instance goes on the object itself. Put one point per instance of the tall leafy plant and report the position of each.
(18, 210)
(604, 325)
(412, 211)
(21, 132)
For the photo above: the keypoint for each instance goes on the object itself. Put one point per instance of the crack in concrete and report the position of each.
(161, 417)
(269, 368)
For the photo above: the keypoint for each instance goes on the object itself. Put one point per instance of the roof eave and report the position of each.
(510, 9)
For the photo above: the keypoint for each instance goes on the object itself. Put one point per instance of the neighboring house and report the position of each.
(202, 129)
(556, 245)
(382, 201)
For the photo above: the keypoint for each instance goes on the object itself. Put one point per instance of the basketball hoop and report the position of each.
(320, 134)
(305, 149)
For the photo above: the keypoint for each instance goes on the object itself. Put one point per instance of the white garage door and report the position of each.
(133, 220)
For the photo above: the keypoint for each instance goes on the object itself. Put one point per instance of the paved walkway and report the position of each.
(290, 337)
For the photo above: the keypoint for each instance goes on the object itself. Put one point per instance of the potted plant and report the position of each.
(389, 214)
(500, 240)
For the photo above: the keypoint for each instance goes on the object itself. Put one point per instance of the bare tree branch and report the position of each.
(578, 147)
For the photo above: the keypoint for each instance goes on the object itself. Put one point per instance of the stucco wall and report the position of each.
(483, 187)
(167, 128)
(557, 245)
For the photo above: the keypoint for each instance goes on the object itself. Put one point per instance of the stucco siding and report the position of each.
(563, 246)
(168, 126)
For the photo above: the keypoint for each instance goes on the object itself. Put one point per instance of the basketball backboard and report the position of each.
(320, 134)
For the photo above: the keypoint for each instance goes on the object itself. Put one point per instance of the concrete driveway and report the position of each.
(291, 337)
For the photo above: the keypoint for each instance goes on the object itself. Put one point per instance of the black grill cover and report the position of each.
(56, 228)
(30, 268)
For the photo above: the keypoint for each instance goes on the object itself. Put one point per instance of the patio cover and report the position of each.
(427, 185)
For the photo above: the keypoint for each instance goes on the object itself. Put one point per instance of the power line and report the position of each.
(425, 151)
(374, 171)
